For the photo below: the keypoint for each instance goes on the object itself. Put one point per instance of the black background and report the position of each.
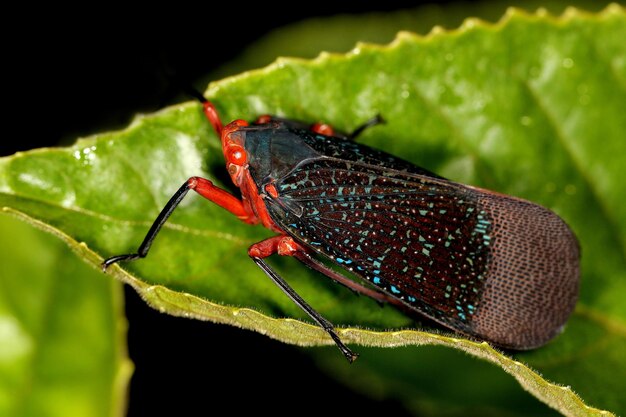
(69, 76)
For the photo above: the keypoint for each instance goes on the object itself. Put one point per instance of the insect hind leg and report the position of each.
(284, 245)
(328, 130)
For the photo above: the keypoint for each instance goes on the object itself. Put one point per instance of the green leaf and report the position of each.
(62, 331)
(532, 106)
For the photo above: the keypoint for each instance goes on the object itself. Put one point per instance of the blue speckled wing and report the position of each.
(419, 238)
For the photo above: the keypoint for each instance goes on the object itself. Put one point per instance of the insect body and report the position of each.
(487, 265)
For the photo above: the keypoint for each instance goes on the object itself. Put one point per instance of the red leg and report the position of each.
(281, 244)
(263, 119)
(222, 198)
(211, 113)
(323, 129)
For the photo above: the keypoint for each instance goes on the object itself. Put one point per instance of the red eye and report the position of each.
(235, 154)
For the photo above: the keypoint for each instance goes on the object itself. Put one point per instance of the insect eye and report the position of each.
(235, 154)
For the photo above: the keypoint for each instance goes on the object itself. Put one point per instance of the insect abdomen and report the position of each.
(531, 284)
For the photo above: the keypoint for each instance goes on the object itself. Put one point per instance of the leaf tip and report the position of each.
(470, 23)
(405, 35)
(614, 8)
(436, 30)
(324, 55)
(542, 12)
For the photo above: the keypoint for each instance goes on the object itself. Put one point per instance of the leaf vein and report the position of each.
(578, 166)
(146, 224)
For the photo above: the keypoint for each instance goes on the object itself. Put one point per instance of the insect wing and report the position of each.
(417, 238)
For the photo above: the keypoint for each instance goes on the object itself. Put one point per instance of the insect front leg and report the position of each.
(207, 190)
(286, 246)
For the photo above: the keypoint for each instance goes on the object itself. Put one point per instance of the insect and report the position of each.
(484, 264)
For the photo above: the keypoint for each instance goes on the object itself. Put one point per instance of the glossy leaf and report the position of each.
(519, 107)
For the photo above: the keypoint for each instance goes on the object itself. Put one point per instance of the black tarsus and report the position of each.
(376, 120)
(176, 82)
(321, 321)
(191, 91)
(165, 213)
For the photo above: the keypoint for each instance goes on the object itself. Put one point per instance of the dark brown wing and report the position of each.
(420, 239)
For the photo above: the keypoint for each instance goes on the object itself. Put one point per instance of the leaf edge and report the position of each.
(296, 332)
